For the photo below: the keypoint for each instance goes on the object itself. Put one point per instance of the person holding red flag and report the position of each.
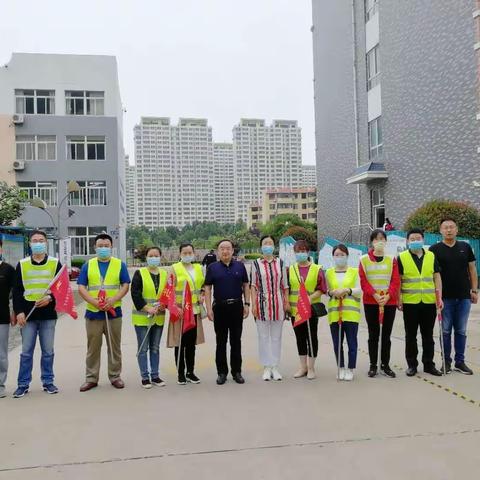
(185, 334)
(148, 316)
(306, 279)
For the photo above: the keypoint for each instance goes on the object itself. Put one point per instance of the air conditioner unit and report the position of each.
(18, 119)
(19, 165)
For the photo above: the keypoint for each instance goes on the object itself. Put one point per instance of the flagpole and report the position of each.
(381, 313)
(339, 337)
(180, 340)
(440, 326)
(310, 337)
(109, 336)
(150, 325)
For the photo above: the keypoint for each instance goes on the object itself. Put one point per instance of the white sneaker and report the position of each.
(348, 375)
(341, 374)
(276, 375)
(267, 374)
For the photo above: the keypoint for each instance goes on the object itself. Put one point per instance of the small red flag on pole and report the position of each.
(188, 315)
(167, 299)
(304, 308)
(61, 289)
(102, 298)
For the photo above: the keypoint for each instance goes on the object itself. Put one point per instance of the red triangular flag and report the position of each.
(102, 296)
(188, 315)
(167, 299)
(304, 308)
(61, 289)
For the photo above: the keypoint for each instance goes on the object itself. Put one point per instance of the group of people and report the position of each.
(420, 282)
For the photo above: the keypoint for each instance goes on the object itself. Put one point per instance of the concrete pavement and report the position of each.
(369, 429)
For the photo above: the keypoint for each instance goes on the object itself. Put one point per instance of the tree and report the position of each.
(12, 203)
(301, 233)
(429, 215)
(281, 223)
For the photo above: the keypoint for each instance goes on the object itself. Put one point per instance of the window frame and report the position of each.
(44, 189)
(375, 150)
(88, 140)
(19, 94)
(373, 80)
(38, 140)
(87, 99)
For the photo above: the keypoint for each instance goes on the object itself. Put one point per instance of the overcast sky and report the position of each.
(218, 59)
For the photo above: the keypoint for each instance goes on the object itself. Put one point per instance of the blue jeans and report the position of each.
(45, 329)
(455, 315)
(349, 330)
(152, 346)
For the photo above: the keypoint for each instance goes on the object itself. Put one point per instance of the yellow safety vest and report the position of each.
(294, 281)
(183, 276)
(350, 304)
(36, 278)
(111, 282)
(150, 295)
(418, 286)
(378, 274)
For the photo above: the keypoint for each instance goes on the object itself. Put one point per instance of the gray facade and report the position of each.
(429, 104)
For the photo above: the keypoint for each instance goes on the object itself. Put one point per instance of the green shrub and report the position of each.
(78, 262)
(252, 256)
(429, 215)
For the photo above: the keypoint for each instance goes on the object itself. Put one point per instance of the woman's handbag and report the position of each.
(319, 310)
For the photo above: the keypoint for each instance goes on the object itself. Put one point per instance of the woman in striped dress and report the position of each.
(269, 306)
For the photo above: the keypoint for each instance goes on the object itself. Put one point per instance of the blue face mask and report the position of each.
(153, 261)
(38, 248)
(103, 252)
(268, 249)
(188, 258)
(340, 261)
(301, 256)
(415, 245)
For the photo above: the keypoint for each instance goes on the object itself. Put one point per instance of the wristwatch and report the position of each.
(474, 290)
(247, 304)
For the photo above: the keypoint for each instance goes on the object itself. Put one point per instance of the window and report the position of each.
(36, 147)
(82, 239)
(373, 68)
(371, 8)
(378, 207)
(47, 191)
(86, 148)
(41, 102)
(375, 138)
(92, 193)
(81, 102)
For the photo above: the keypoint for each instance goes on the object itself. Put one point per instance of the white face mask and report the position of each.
(379, 246)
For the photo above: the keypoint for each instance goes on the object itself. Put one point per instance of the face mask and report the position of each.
(187, 259)
(416, 245)
(267, 249)
(104, 252)
(301, 256)
(38, 248)
(153, 261)
(379, 246)
(340, 261)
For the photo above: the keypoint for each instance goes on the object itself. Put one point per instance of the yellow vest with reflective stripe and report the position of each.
(150, 295)
(37, 278)
(351, 304)
(294, 282)
(111, 282)
(378, 274)
(182, 276)
(418, 286)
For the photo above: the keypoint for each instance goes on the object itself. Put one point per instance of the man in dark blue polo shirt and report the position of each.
(229, 280)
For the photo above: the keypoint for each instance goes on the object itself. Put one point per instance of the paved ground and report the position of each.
(369, 429)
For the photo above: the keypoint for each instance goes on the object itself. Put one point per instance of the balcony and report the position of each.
(367, 173)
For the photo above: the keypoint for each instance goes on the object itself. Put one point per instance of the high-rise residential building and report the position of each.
(309, 175)
(396, 107)
(65, 125)
(266, 156)
(131, 192)
(174, 169)
(301, 202)
(223, 174)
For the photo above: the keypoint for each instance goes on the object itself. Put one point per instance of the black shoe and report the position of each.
(181, 379)
(387, 371)
(462, 368)
(411, 371)
(192, 378)
(373, 371)
(158, 382)
(238, 378)
(221, 379)
(448, 368)
(433, 371)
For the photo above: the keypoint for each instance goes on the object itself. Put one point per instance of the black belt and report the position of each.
(228, 301)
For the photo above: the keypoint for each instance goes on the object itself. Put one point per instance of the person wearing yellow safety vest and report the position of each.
(420, 278)
(343, 288)
(185, 272)
(106, 275)
(30, 296)
(148, 316)
(306, 333)
(380, 282)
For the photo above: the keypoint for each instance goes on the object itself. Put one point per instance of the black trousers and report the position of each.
(228, 320)
(303, 339)
(419, 315)
(371, 315)
(187, 353)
